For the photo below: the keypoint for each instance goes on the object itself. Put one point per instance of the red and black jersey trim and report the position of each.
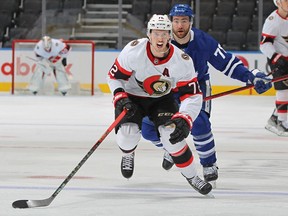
(188, 88)
(118, 72)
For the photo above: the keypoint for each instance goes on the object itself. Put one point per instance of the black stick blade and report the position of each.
(20, 204)
(32, 203)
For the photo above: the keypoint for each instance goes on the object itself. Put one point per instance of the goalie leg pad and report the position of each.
(37, 79)
(128, 136)
(62, 78)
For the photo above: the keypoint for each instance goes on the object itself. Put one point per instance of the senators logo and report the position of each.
(155, 86)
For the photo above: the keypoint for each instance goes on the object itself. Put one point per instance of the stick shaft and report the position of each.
(46, 202)
(278, 79)
(85, 158)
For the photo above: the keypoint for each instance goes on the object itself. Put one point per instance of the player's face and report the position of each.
(283, 5)
(181, 26)
(159, 40)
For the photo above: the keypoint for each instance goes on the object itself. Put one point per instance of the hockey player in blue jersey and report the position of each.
(203, 49)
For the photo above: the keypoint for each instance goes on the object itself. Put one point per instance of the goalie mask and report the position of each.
(159, 22)
(47, 43)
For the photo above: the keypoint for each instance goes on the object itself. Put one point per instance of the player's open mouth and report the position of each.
(159, 45)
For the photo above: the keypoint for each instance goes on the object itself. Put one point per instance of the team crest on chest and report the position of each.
(154, 85)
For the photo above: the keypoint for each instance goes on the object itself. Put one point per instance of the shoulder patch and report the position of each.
(271, 17)
(134, 43)
(185, 56)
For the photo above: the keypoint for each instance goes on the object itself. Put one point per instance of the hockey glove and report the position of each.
(122, 101)
(183, 125)
(260, 81)
(280, 61)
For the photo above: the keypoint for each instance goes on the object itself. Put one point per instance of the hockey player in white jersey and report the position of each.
(142, 80)
(51, 57)
(204, 49)
(274, 45)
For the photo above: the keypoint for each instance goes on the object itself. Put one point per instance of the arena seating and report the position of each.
(229, 21)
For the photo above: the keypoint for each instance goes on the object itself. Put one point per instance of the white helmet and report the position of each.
(159, 22)
(47, 43)
(275, 2)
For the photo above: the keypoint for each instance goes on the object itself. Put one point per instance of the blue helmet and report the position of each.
(181, 10)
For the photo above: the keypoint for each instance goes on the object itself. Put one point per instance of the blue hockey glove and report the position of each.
(260, 80)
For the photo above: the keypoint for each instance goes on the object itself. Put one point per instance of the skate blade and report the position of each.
(213, 184)
(271, 129)
(282, 134)
(210, 195)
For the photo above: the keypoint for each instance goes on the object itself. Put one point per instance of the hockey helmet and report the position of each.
(47, 43)
(182, 10)
(159, 22)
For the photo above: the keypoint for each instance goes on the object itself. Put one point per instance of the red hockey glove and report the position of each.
(121, 101)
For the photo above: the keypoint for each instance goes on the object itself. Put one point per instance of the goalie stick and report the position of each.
(46, 202)
(278, 79)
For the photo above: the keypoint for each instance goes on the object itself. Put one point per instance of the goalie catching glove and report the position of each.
(260, 80)
(183, 126)
(121, 101)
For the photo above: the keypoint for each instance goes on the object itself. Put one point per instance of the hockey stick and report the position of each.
(43, 65)
(46, 202)
(278, 79)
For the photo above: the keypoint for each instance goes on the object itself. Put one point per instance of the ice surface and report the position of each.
(43, 138)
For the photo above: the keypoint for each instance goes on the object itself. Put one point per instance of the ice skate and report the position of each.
(210, 174)
(200, 185)
(63, 93)
(127, 165)
(282, 128)
(167, 162)
(272, 124)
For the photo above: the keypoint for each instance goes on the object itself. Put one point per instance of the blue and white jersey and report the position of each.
(203, 48)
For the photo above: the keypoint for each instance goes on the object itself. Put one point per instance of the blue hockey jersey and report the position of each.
(204, 48)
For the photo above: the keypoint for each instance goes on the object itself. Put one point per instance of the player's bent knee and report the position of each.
(201, 124)
(128, 136)
(165, 136)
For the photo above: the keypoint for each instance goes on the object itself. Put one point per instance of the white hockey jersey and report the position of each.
(139, 73)
(275, 28)
(58, 51)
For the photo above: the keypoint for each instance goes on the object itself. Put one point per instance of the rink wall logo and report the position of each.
(22, 68)
(102, 64)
